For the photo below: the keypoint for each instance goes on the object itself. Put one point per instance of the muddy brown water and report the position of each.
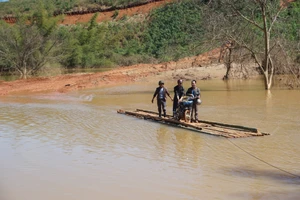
(75, 146)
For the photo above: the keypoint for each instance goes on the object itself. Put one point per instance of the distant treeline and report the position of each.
(174, 31)
(168, 33)
(160, 37)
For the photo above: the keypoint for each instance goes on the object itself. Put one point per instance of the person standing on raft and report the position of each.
(178, 93)
(161, 92)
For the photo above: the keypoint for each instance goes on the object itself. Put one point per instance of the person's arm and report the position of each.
(176, 96)
(189, 92)
(154, 95)
(180, 100)
(175, 93)
(182, 92)
(198, 93)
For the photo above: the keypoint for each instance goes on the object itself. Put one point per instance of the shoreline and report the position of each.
(202, 67)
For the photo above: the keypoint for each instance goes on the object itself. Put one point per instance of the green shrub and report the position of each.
(173, 28)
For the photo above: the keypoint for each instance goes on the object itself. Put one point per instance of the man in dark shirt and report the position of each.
(161, 93)
(196, 98)
(178, 93)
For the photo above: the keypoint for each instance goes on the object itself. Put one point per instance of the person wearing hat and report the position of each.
(178, 93)
(161, 92)
(195, 91)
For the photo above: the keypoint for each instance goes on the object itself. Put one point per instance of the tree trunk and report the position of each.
(267, 66)
(228, 64)
(24, 73)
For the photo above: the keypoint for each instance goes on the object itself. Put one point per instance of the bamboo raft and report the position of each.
(208, 127)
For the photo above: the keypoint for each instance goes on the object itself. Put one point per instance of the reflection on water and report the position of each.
(55, 72)
(76, 146)
(8, 77)
(86, 70)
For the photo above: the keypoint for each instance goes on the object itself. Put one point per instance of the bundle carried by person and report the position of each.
(187, 100)
(183, 111)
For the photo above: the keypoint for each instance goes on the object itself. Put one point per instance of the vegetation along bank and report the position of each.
(261, 35)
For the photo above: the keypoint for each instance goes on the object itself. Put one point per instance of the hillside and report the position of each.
(202, 67)
(81, 15)
(108, 15)
(197, 67)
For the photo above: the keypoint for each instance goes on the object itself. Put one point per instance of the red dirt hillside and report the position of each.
(83, 16)
(108, 15)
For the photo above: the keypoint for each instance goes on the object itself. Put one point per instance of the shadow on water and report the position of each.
(271, 195)
(262, 193)
(12, 77)
(7, 77)
(280, 176)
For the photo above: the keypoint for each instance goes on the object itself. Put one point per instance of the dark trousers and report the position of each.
(161, 105)
(175, 105)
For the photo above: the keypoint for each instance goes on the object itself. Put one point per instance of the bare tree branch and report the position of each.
(245, 18)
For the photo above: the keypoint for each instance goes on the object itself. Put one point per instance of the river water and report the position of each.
(76, 146)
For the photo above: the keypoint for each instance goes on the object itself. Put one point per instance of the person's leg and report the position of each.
(175, 105)
(159, 107)
(193, 117)
(164, 105)
(196, 113)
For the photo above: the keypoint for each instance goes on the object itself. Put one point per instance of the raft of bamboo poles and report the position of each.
(202, 126)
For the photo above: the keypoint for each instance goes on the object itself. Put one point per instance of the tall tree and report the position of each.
(28, 45)
(252, 25)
